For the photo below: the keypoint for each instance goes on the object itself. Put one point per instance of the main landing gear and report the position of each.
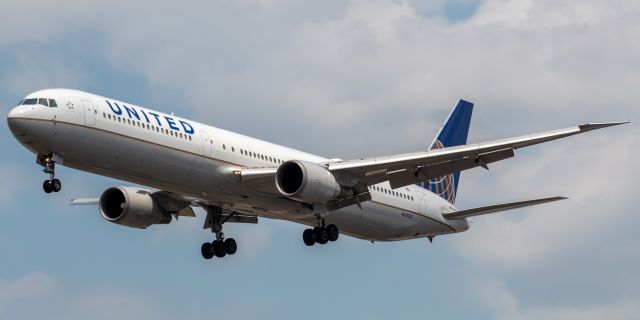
(53, 184)
(320, 234)
(220, 247)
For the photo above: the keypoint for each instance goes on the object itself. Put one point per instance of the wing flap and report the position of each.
(405, 177)
(462, 214)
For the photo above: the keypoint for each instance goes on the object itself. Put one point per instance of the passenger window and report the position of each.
(43, 102)
(52, 103)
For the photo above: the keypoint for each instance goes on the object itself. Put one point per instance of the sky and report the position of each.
(342, 79)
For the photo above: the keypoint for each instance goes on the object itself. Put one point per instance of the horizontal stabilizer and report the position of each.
(84, 202)
(461, 214)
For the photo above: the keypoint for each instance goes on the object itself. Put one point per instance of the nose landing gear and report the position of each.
(49, 164)
(53, 185)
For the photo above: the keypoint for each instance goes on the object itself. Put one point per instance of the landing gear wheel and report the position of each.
(309, 237)
(207, 250)
(230, 246)
(218, 248)
(47, 186)
(333, 232)
(322, 236)
(56, 185)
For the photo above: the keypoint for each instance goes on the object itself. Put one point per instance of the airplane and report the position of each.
(238, 179)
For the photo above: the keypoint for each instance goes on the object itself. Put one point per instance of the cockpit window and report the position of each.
(30, 101)
(43, 101)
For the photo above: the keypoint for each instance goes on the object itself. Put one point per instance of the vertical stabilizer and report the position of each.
(453, 133)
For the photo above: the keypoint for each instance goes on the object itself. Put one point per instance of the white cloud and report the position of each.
(39, 295)
(31, 286)
(596, 182)
(30, 72)
(505, 305)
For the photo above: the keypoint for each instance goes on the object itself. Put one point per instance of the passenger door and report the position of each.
(207, 144)
(90, 113)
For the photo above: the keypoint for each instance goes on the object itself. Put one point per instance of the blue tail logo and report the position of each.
(453, 133)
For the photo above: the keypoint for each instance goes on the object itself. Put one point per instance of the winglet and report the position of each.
(599, 125)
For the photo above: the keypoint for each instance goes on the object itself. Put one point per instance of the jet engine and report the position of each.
(307, 182)
(132, 207)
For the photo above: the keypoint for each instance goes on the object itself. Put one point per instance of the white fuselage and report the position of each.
(139, 145)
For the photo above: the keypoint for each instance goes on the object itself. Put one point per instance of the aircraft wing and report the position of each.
(462, 214)
(405, 169)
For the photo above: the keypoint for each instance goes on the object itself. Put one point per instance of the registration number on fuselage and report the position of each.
(406, 215)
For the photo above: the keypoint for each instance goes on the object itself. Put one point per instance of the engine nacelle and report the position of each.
(307, 182)
(131, 207)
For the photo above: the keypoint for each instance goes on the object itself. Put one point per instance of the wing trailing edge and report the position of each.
(462, 214)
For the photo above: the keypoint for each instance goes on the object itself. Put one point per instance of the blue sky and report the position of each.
(385, 73)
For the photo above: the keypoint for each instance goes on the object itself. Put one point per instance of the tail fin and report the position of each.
(454, 132)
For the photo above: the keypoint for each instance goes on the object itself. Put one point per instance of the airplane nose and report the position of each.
(17, 120)
(20, 112)
(13, 113)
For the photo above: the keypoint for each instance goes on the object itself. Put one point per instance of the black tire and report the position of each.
(309, 237)
(333, 232)
(46, 186)
(218, 249)
(56, 185)
(230, 246)
(207, 250)
(322, 236)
